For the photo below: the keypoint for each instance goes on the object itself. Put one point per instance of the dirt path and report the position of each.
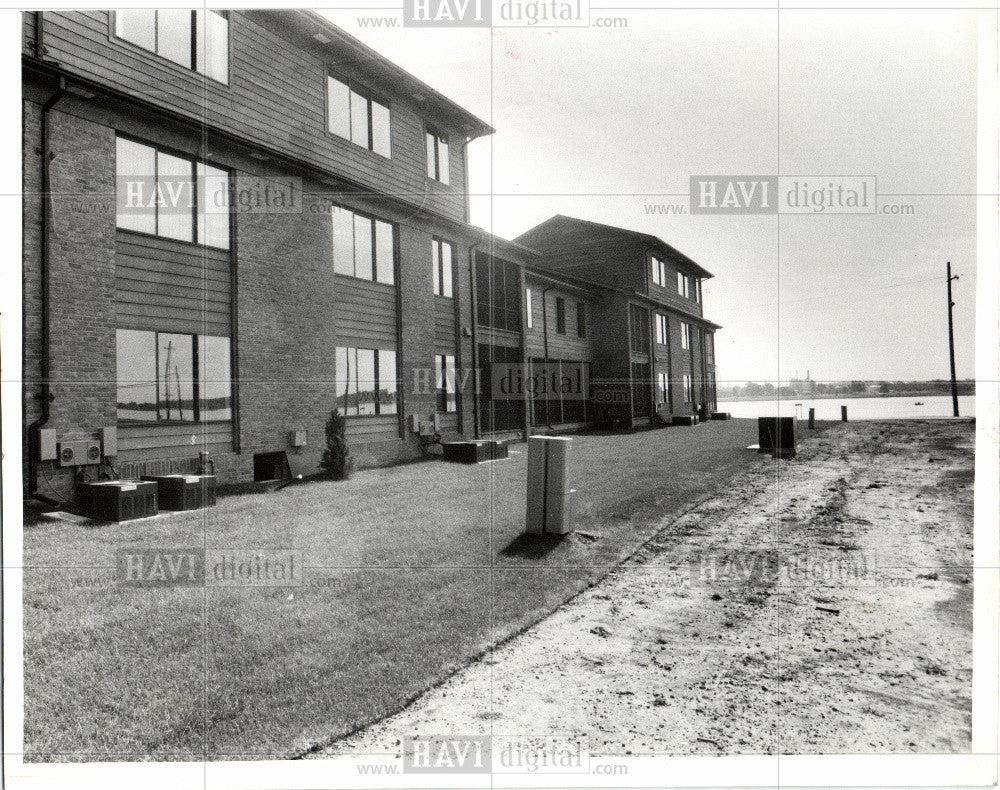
(823, 605)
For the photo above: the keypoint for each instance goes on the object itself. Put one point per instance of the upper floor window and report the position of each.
(685, 335)
(689, 287)
(560, 315)
(171, 196)
(498, 293)
(167, 376)
(197, 40)
(356, 116)
(581, 319)
(363, 247)
(529, 319)
(658, 269)
(662, 336)
(442, 262)
(437, 157)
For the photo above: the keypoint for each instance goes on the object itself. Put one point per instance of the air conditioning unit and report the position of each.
(79, 452)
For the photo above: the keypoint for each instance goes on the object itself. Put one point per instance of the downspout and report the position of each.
(475, 345)
(45, 396)
(545, 345)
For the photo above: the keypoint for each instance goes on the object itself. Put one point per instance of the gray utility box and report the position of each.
(117, 500)
(184, 492)
(473, 452)
(550, 499)
(777, 435)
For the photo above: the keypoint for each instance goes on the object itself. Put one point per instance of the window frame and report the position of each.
(437, 250)
(337, 208)
(115, 36)
(688, 383)
(196, 383)
(195, 210)
(371, 97)
(439, 138)
(663, 386)
(581, 319)
(662, 330)
(445, 389)
(529, 320)
(658, 270)
(560, 315)
(340, 400)
(685, 335)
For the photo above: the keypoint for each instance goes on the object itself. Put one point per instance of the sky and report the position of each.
(608, 124)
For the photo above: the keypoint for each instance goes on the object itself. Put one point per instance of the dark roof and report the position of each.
(346, 49)
(535, 236)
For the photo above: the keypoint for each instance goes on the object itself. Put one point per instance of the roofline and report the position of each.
(649, 237)
(476, 126)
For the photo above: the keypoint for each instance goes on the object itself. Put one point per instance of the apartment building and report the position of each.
(252, 219)
(238, 221)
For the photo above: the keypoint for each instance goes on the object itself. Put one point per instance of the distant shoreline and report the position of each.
(841, 396)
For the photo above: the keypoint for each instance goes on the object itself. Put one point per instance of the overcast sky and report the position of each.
(604, 124)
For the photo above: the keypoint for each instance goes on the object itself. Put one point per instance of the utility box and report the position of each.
(685, 419)
(109, 441)
(550, 500)
(183, 492)
(117, 500)
(721, 415)
(79, 452)
(297, 438)
(48, 445)
(777, 435)
(473, 452)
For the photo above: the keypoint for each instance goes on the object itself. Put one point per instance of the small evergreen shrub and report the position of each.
(337, 461)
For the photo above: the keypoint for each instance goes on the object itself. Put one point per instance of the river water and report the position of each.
(857, 408)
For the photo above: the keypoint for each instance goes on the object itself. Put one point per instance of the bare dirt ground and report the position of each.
(821, 605)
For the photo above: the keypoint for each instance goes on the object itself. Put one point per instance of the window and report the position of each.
(688, 389)
(662, 333)
(444, 375)
(363, 247)
(710, 347)
(166, 376)
(685, 335)
(689, 287)
(196, 40)
(639, 331)
(560, 315)
(443, 265)
(356, 116)
(581, 319)
(437, 157)
(659, 270)
(662, 388)
(527, 308)
(498, 293)
(170, 196)
(366, 381)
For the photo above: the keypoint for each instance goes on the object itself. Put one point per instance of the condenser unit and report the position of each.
(79, 452)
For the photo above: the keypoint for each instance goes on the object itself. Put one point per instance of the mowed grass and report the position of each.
(410, 573)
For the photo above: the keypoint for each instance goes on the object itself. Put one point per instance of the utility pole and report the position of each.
(951, 344)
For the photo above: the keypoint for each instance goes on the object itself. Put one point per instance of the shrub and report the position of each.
(337, 461)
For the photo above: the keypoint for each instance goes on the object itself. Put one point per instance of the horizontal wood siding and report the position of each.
(365, 430)
(276, 99)
(141, 442)
(444, 325)
(364, 313)
(560, 346)
(171, 286)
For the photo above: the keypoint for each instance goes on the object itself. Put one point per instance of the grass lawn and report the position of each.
(410, 572)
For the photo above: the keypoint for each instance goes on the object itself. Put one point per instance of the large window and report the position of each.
(560, 315)
(437, 157)
(581, 319)
(443, 265)
(498, 293)
(662, 331)
(170, 196)
(689, 287)
(710, 347)
(639, 329)
(662, 388)
(363, 247)
(355, 115)
(685, 336)
(197, 40)
(444, 375)
(172, 377)
(366, 381)
(658, 269)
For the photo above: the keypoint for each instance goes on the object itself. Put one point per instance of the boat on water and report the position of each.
(918, 403)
